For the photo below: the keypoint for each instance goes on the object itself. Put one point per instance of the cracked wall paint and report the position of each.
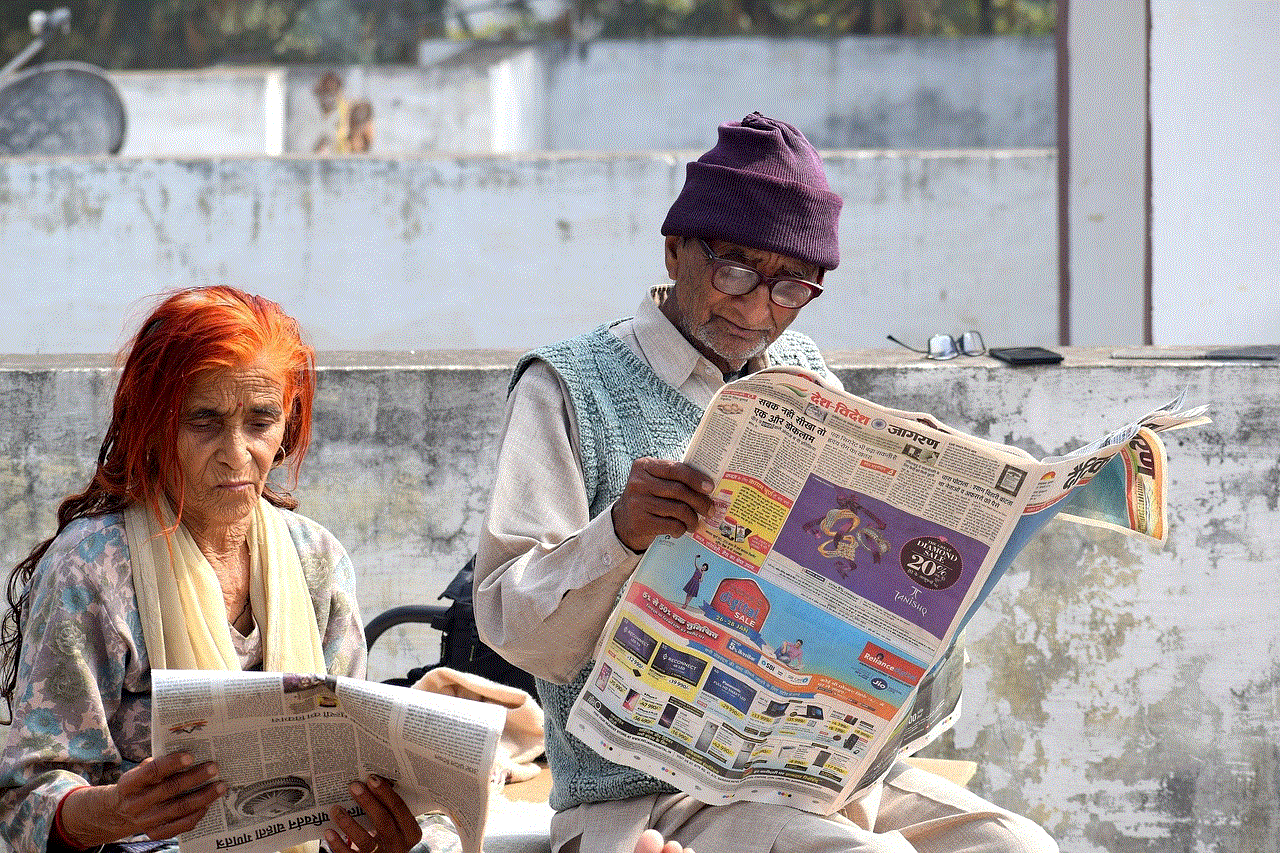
(1122, 692)
(1125, 695)
(347, 243)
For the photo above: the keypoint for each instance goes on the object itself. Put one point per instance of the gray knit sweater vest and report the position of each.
(624, 411)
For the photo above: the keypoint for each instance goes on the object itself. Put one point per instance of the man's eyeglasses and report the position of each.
(736, 279)
(943, 347)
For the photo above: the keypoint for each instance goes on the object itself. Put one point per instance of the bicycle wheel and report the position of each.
(61, 108)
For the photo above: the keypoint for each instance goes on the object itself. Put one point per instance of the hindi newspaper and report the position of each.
(288, 745)
(809, 630)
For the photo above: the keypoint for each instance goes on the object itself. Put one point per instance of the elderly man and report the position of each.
(587, 479)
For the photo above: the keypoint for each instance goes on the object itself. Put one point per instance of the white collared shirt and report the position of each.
(547, 574)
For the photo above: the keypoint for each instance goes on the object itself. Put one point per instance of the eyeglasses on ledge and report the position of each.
(943, 347)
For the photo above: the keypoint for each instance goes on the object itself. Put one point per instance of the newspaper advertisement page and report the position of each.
(792, 646)
(288, 745)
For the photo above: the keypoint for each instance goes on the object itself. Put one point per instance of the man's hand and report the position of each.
(395, 830)
(661, 498)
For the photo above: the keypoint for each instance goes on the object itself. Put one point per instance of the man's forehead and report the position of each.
(726, 248)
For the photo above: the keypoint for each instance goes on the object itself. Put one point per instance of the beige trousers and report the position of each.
(912, 811)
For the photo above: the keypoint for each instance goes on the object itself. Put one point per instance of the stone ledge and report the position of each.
(1094, 357)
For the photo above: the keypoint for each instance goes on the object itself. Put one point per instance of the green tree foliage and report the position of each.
(780, 18)
(199, 33)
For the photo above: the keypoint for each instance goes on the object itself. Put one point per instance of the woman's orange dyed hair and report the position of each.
(190, 333)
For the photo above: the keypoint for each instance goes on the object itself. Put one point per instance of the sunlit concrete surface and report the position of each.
(850, 92)
(441, 252)
(1124, 694)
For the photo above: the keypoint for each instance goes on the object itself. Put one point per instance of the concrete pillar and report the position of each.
(1215, 171)
(1103, 151)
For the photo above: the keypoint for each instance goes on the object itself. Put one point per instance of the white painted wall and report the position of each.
(1107, 184)
(1120, 693)
(438, 252)
(222, 112)
(1215, 158)
(200, 113)
(517, 102)
(852, 92)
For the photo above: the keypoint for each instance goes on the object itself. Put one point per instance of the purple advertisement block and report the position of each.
(912, 567)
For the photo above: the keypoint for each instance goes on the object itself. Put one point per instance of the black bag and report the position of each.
(460, 645)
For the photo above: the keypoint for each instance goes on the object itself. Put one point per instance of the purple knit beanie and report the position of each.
(761, 186)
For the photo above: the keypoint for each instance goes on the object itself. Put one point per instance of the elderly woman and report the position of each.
(179, 554)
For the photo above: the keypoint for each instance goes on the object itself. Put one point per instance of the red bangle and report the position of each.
(58, 829)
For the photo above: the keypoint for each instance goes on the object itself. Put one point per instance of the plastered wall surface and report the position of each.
(1105, 154)
(1215, 235)
(617, 95)
(200, 113)
(1124, 694)
(852, 92)
(441, 252)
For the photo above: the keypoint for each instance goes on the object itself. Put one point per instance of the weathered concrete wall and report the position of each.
(202, 113)
(415, 110)
(1106, 191)
(1126, 695)
(852, 92)
(1215, 70)
(441, 252)
(222, 112)
(1157, 92)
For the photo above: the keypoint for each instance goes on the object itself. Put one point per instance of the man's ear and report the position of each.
(671, 252)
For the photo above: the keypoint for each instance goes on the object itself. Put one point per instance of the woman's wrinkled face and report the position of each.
(230, 428)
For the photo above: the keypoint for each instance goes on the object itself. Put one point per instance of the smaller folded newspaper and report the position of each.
(808, 632)
(289, 745)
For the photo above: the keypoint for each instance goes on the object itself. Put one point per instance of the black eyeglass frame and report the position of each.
(813, 289)
(946, 347)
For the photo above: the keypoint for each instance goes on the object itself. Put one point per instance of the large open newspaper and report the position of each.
(807, 632)
(288, 746)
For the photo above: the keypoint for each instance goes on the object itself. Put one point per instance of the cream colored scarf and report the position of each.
(184, 616)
